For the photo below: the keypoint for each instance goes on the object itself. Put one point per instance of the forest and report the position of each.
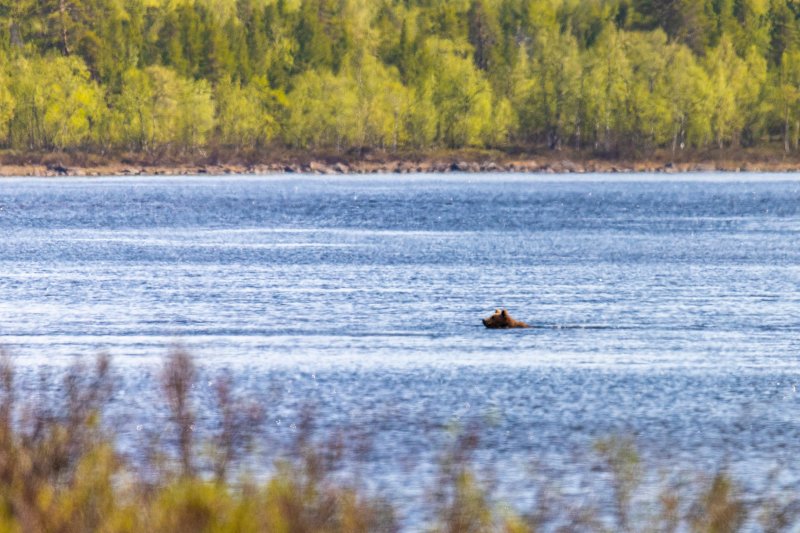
(607, 76)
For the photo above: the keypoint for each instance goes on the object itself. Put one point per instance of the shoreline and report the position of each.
(71, 165)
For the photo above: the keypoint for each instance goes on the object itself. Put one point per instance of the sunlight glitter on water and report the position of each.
(666, 309)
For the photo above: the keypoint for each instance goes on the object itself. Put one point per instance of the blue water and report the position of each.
(664, 310)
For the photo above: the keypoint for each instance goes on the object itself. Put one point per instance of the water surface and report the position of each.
(666, 310)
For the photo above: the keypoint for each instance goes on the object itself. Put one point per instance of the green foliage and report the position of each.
(786, 98)
(322, 111)
(58, 105)
(736, 86)
(548, 89)
(7, 104)
(246, 114)
(690, 93)
(381, 106)
(461, 96)
(158, 109)
(649, 116)
(607, 75)
(607, 87)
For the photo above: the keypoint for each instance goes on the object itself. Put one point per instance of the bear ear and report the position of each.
(497, 311)
(504, 313)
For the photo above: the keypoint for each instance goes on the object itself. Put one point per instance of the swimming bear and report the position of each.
(502, 320)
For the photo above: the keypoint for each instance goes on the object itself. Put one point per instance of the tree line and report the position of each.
(161, 76)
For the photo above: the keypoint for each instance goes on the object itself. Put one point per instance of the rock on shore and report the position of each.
(441, 166)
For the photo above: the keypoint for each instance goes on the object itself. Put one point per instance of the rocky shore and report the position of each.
(395, 166)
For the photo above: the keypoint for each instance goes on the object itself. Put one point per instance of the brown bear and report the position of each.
(502, 320)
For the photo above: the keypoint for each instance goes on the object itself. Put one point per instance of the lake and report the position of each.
(665, 308)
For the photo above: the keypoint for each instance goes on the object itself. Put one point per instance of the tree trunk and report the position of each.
(786, 130)
(62, 10)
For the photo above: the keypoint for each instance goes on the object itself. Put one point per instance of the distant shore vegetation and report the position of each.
(607, 76)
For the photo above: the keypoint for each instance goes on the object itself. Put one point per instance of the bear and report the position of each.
(502, 320)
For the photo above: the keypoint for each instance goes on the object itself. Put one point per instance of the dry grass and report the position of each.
(60, 472)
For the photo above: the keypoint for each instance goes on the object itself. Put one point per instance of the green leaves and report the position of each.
(461, 95)
(607, 75)
(57, 104)
(157, 110)
(245, 114)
